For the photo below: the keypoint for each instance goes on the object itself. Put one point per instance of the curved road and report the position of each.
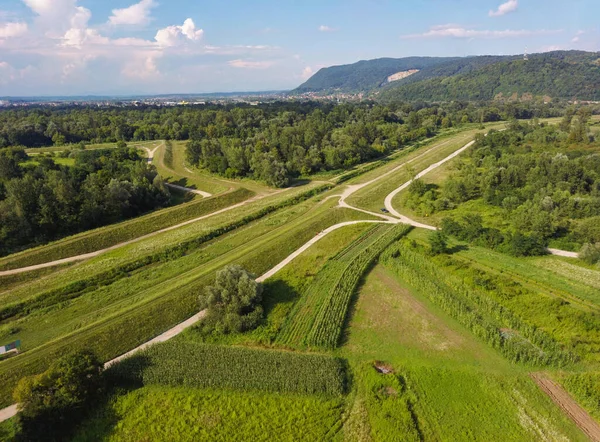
(11, 411)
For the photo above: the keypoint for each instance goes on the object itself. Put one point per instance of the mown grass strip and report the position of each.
(77, 288)
(170, 304)
(108, 236)
(193, 364)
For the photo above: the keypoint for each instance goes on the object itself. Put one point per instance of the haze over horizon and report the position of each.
(124, 47)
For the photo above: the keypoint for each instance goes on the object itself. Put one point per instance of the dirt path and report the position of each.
(187, 189)
(174, 186)
(564, 253)
(390, 197)
(85, 256)
(169, 334)
(404, 219)
(151, 152)
(320, 236)
(581, 418)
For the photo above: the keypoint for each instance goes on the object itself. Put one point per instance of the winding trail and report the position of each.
(174, 186)
(555, 391)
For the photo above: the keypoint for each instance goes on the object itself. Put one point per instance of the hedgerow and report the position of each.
(198, 365)
(318, 318)
(132, 326)
(110, 235)
(78, 288)
(487, 319)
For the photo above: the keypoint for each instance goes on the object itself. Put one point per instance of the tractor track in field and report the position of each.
(560, 397)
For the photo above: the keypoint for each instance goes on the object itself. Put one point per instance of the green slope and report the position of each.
(570, 75)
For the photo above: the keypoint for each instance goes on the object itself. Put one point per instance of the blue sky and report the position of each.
(68, 47)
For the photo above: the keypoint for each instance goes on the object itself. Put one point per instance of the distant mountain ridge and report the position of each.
(559, 74)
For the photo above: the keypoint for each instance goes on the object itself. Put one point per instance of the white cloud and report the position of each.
(248, 64)
(80, 17)
(46, 7)
(505, 8)
(142, 69)
(79, 37)
(457, 31)
(8, 30)
(138, 14)
(577, 37)
(307, 72)
(325, 28)
(173, 35)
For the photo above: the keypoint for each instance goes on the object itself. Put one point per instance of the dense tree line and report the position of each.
(46, 126)
(285, 143)
(41, 201)
(544, 179)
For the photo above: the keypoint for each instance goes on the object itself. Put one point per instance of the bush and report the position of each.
(438, 243)
(590, 253)
(168, 157)
(51, 402)
(233, 303)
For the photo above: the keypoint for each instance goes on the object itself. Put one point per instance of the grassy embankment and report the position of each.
(111, 298)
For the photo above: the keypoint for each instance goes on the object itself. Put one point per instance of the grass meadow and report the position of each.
(446, 384)
(183, 414)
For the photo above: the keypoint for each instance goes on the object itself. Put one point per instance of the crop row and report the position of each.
(347, 254)
(197, 365)
(318, 318)
(487, 319)
(330, 319)
(302, 317)
(108, 236)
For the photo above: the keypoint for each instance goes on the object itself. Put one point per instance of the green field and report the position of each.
(183, 414)
(366, 335)
(446, 384)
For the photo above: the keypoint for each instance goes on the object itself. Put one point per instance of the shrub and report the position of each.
(438, 243)
(233, 303)
(168, 157)
(590, 253)
(51, 402)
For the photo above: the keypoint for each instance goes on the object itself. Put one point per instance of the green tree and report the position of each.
(50, 403)
(590, 253)
(233, 303)
(438, 243)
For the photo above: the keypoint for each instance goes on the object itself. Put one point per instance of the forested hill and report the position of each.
(364, 75)
(559, 74)
(571, 76)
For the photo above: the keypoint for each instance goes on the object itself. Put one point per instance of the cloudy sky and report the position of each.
(73, 47)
